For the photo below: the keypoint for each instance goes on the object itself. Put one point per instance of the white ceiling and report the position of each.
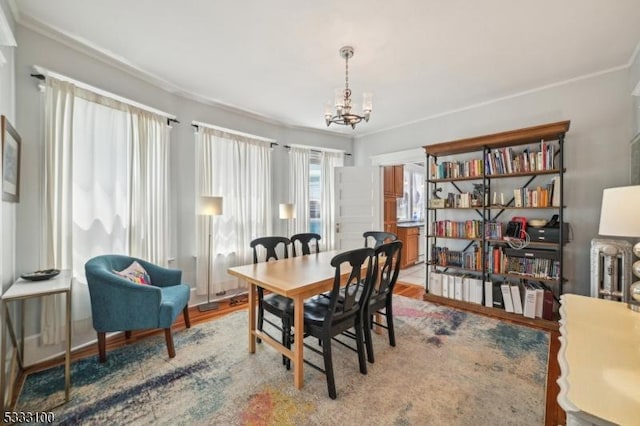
(279, 59)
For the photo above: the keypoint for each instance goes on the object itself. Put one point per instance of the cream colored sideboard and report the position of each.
(599, 362)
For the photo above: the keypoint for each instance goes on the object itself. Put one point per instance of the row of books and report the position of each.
(462, 200)
(457, 169)
(530, 299)
(498, 261)
(541, 196)
(456, 229)
(466, 229)
(506, 161)
(470, 259)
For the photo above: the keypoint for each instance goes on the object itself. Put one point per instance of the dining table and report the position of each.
(297, 278)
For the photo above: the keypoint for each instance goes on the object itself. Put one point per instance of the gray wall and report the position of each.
(36, 49)
(8, 108)
(597, 147)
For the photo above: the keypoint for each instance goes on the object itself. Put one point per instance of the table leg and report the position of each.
(298, 361)
(252, 317)
(67, 358)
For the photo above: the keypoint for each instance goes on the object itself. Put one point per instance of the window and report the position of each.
(315, 194)
(411, 206)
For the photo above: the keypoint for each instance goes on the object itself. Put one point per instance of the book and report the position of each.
(476, 291)
(466, 289)
(497, 296)
(488, 294)
(529, 308)
(445, 285)
(516, 299)
(506, 297)
(457, 287)
(435, 283)
(539, 298)
(547, 305)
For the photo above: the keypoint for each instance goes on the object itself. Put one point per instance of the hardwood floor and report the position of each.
(554, 414)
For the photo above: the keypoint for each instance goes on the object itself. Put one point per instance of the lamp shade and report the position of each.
(287, 211)
(620, 214)
(211, 206)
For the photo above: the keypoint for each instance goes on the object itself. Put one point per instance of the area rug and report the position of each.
(449, 367)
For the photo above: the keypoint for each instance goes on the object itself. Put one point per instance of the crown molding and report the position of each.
(500, 99)
(103, 55)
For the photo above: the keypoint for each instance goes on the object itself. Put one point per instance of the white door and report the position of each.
(358, 205)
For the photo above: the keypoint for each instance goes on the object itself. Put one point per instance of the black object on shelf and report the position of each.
(42, 275)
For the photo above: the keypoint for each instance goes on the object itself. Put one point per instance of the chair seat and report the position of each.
(277, 304)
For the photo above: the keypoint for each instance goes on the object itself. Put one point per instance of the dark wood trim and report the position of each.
(548, 132)
(501, 314)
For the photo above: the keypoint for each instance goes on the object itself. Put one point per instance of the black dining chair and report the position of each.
(388, 258)
(275, 304)
(379, 238)
(327, 317)
(306, 241)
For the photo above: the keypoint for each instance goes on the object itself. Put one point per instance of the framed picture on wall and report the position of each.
(10, 162)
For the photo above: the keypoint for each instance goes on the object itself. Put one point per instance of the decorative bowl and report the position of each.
(41, 275)
(537, 223)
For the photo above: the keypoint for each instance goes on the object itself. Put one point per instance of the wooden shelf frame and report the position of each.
(484, 144)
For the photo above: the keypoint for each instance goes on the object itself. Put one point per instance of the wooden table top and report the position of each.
(292, 276)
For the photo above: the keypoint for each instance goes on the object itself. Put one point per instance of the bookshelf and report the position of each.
(474, 188)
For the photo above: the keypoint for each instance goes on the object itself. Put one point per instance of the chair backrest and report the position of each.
(379, 237)
(388, 256)
(306, 241)
(354, 296)
(269, 244)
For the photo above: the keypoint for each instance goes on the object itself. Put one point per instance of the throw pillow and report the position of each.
(135, 273)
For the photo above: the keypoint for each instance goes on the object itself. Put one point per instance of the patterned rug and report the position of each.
(449, 367)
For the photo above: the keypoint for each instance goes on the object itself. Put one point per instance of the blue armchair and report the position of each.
(118, 304)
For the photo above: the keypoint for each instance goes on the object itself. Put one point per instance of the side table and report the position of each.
(20, 291)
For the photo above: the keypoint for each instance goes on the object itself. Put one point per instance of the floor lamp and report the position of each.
(210, 206)
(288, 211)
(620, 217)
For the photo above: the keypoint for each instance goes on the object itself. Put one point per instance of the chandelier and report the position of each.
(344, 110)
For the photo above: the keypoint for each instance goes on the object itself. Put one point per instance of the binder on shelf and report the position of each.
(497, 296)
(547, 305)
(476, 291)
(516, 299)
(539, 301)
(488, 294)
(506, 297)
(529, 308)
(435, 283)
(457, 289)
(445, 285)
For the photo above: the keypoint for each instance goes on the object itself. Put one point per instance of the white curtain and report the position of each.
(149, 220)
(238, 169)
(299, 189)
(328, 161)
(57, 199)
(106, 191)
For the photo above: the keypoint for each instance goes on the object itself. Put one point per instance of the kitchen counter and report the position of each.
(410, 224)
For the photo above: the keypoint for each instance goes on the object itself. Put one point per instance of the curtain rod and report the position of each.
(321, 150)
(42, 73)
(198, 124)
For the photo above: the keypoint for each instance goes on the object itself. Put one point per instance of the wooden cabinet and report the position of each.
(390, 220)
(410, 237)
(393, 181)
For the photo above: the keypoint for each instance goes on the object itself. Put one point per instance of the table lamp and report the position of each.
(288, 211)
(210, 206)
(620, 217)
